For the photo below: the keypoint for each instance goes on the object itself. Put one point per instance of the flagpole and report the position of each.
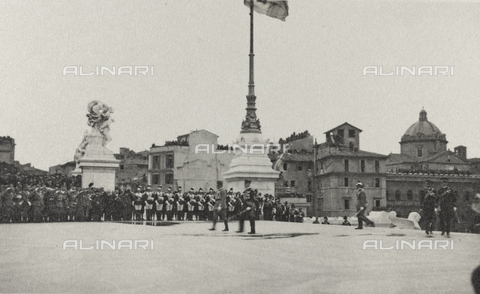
(251, 84)
(251, 124)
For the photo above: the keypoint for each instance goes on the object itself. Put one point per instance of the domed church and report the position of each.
(423, 148)
(424, 157)
(423, 139)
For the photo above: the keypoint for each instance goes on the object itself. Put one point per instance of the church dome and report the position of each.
(423, 126)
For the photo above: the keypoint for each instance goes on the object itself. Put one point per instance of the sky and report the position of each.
(308, 71)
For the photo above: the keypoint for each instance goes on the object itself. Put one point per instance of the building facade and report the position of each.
(340, 165)
(132, 170)
(296, 174)
(193, 161)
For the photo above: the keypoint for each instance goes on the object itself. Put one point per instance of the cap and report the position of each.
(359, 184)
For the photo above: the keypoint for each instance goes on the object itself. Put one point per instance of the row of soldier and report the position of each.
(45, 204)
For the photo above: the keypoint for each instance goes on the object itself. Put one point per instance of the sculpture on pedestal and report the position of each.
(95, 163)
(99, 118)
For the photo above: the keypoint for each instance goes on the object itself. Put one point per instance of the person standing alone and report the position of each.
(361, 207)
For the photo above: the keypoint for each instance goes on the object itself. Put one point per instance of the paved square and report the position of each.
(188, 258)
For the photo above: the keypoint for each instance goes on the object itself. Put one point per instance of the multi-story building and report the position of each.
(192, 161)
(296, 174)
(132, 170)
(340, 164)
(7, 150)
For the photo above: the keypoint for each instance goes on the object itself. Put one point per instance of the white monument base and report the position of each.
(99, 172)
(251, 163)
(98, 165)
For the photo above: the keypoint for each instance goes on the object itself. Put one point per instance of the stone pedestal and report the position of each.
(98, 165)
(251, 163)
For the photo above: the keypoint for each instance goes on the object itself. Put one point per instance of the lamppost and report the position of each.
(315, 196)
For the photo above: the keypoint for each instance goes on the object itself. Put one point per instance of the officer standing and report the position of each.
(149, 203)
(429, 208)
(220, 207)
(447, 206)
(250, 205)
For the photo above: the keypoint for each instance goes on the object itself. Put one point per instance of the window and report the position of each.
(377, 166)
(409, 195)
(345, 182)
(300, 167)
(340, 133)
(346, 165)
(309, 185)
(377, 203)
(310, 166)
(122, 166)
(170, 161)
(346, 204)
(292, 183)
(390, 196)
(169, 179)
(419, 151)
(362, 166)
(377, 182)
(156, 162)
(285, 166)
(155, 179)
(351, 133)
(397, 195)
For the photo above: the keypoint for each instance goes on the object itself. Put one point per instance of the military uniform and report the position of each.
(138, 204)
(446, 203)
(72, 205)
(149, 204)
(250, 205)
(220, 208)
(428, 208)
(159, 206)
(37, 206)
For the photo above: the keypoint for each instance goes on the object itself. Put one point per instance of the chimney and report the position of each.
(461, 151)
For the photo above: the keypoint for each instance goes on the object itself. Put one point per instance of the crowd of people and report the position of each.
(28, 197)
(22, 202)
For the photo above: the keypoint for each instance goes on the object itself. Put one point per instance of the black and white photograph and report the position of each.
(239, 146)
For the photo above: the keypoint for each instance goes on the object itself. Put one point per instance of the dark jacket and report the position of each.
(361, 199)
(446, 199)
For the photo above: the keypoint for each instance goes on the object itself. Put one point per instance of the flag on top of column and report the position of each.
(273, 8)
